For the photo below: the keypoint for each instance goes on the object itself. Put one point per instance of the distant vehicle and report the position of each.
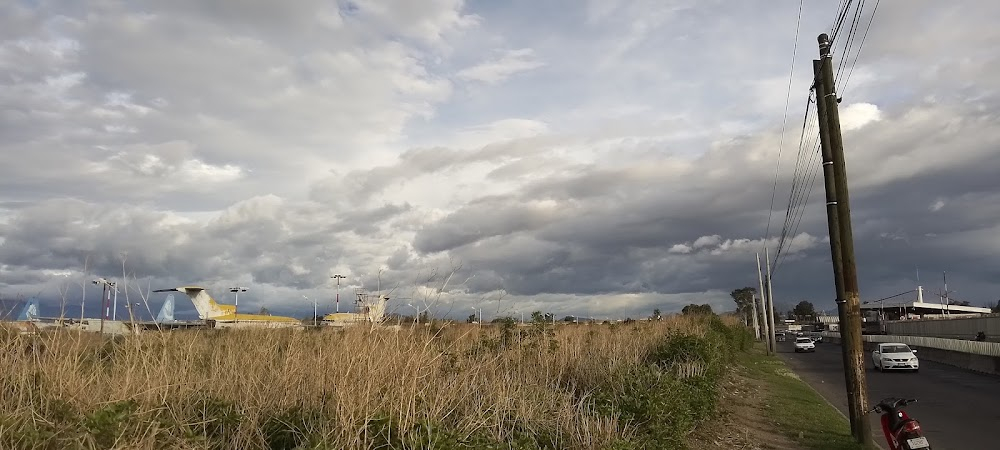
(895, 355)
(804, 344)
(816, 338)
(780, 337)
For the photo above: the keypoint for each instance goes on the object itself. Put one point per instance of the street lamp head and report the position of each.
(238, 289)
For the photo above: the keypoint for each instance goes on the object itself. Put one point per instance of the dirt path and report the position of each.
(742, 422)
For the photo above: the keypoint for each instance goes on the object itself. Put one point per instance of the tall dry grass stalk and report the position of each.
(335, 389)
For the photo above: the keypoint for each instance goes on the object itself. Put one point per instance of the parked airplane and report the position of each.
(30, 311)
(30, 321)
(226, 316)
(166, 314)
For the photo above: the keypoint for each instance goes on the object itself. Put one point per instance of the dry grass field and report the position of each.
(571, 386)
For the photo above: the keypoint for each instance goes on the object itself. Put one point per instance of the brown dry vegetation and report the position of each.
(643, 385)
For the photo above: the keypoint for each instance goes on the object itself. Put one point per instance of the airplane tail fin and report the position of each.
(204, 303)
(30, 311)
(166, 313)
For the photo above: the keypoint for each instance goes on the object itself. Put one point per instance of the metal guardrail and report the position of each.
(955, 345)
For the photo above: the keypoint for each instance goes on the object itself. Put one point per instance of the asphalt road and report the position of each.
(957, 409)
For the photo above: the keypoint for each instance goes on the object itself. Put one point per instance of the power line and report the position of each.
(841, 15)
(784, 120)
(851, 35)
(793, 199)
(796, 214)
(860, 46)
(890, 297)
(803, 182)
(800, 193)
(808, 187)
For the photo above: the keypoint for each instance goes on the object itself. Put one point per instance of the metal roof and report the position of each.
(936, 307)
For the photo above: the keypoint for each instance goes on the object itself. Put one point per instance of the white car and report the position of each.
(895, 355)
(804, 344)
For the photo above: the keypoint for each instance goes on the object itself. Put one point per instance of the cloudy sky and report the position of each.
(594, 158)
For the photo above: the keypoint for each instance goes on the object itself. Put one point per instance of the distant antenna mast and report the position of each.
(947, 302)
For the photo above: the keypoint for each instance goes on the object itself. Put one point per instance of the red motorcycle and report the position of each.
(901, 432)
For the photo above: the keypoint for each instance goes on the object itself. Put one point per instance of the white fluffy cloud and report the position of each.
(497, 70)
(857, 115)
(587, 159)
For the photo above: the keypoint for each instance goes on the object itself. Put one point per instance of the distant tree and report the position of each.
(656, 314)
(804, 309)
(264, 312)
(536, 316)
(569, 319)
(996, 308)
(424, 317)
(694, 309)
(504, 320)
(744, 298)
(789, 315)
(471, 319)
(959, 303)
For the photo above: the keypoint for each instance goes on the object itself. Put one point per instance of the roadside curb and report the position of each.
(835, 408)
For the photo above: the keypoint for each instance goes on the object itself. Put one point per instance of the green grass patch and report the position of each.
(795, 409)
(664, 402)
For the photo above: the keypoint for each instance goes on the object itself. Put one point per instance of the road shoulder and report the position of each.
(791, 408)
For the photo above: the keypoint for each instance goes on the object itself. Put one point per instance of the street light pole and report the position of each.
(338, 277)
(236, 308)
(105, 299)
(314, 309)
(104, 292)
(480, 315)
(114, 286)
(416, 313)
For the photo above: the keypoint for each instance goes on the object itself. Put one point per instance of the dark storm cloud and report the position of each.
(627, 164)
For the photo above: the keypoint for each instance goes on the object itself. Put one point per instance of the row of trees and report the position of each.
(744, 298)
(536, 316)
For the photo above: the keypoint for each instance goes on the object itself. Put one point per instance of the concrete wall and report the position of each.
(976, 363)
(958, 328)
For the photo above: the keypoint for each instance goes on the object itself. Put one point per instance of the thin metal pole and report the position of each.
(770, 304)
(114, 286)
(763, 304)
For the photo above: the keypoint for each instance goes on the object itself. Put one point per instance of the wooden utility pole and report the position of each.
(832, 217)
(848, 295)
